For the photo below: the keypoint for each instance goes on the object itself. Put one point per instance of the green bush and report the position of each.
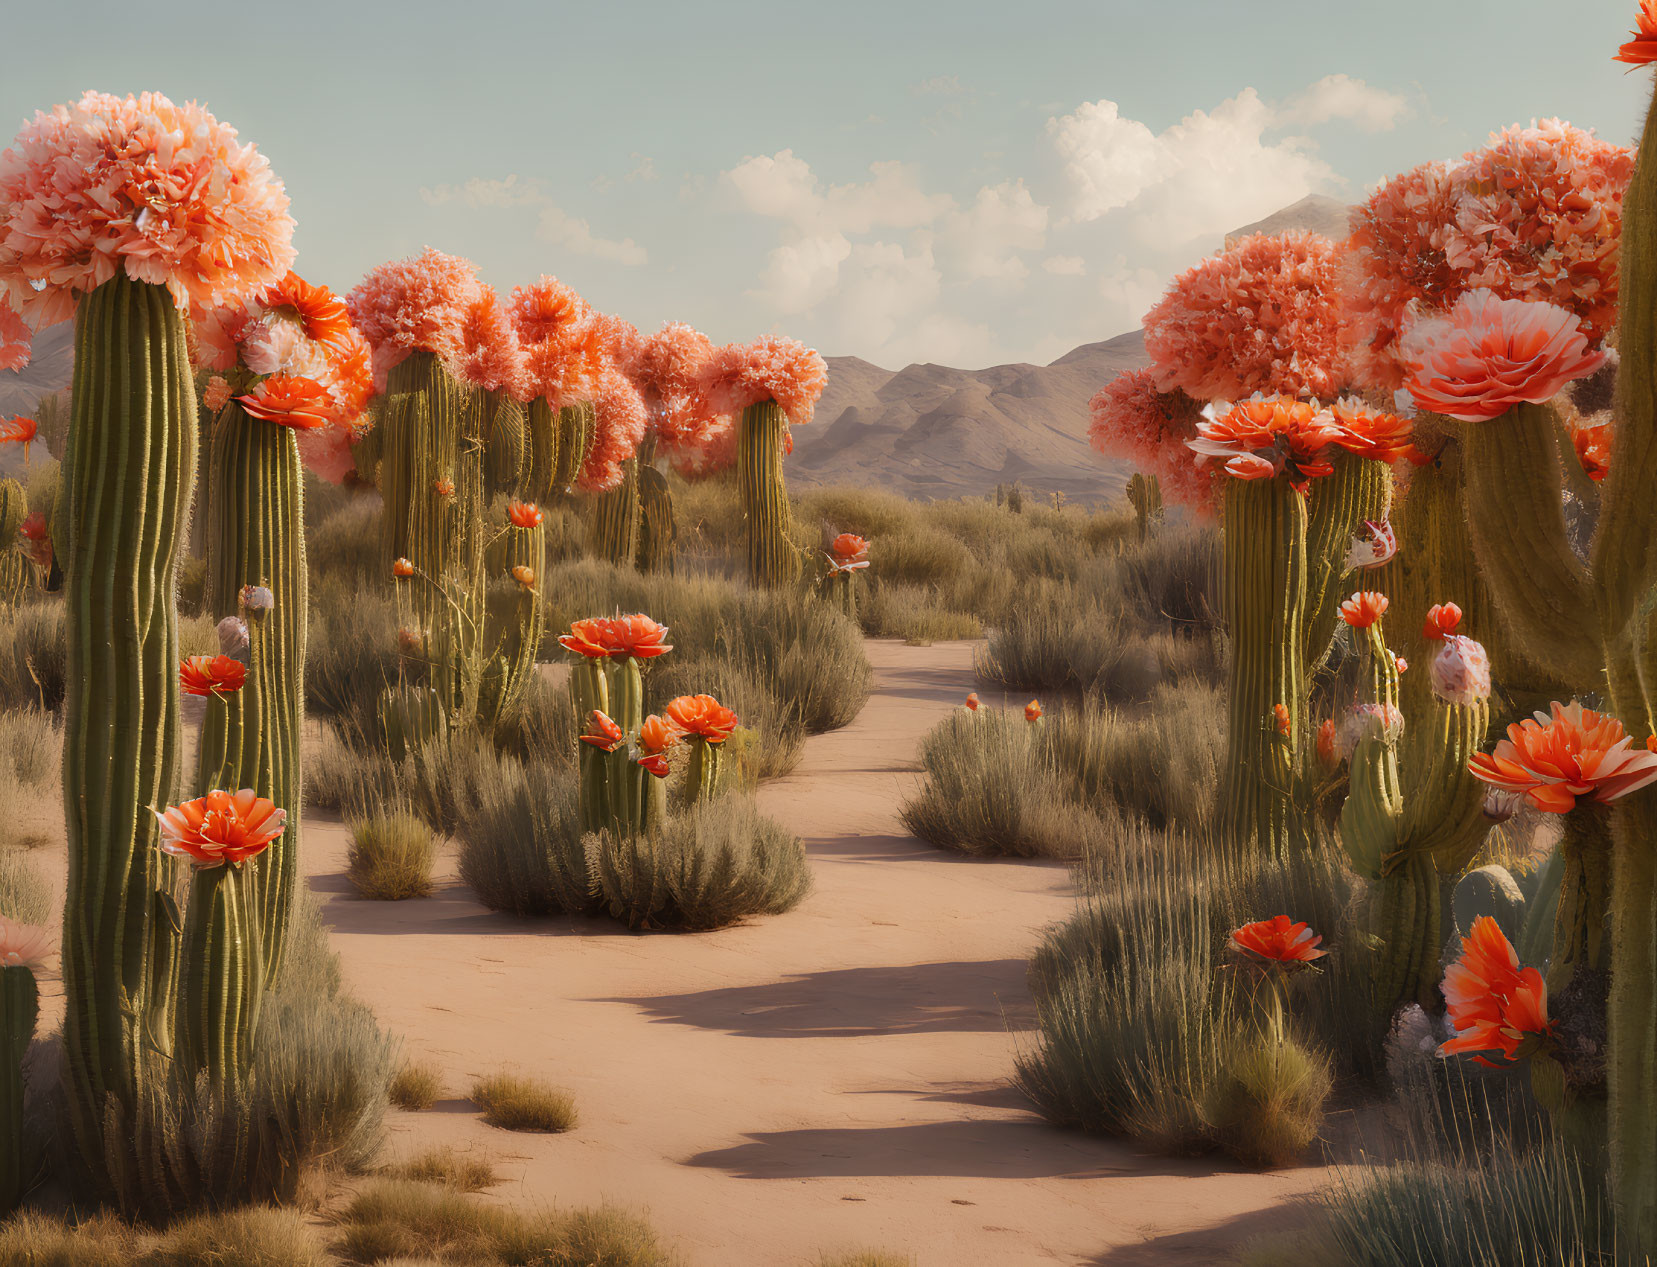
(1265, 1106)
(520, 849)
(391, 855)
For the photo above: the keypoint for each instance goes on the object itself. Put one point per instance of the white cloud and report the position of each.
(644, 168)
(1064, 265)
(983, 239)
(938, 86)
(1210, 172)
(553, 223)
(1341, 97)
(782, 186)
(800, 275)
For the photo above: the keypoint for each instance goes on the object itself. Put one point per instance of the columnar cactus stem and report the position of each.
(541, 463)
(657, 533)
(14, 568)
(19, 1008)
(129, 468)
(1265, 605)
(773, 559)
(507, 462)
(222, 979)
(510, 667)
(702, 769)
(577, 425)
(1145, 496)
(1357, 490)
(257, 538)
(615, 535)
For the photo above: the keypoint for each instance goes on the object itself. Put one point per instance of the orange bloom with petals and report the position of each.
(1265, 435)
(848, 547)
(1032, 711)
(1363, 609)
(444, 487)
(972, 701)
(1381, 437)
(1442, 621)
(525, 576)
(37, 539)
(220, 828)
(211, 675)
(1593, 449)
(702, 716)
(1488, 354)
(1554, 759)
(402, 569)
(1328, 752)
(524, 514)
(1493, 1004)
(289, 401)
(656, 736)
(1642, 49)
(636, 636)
(587, 638)
(320, 313)
(1278, 940)
(602, 732)
(20, 430)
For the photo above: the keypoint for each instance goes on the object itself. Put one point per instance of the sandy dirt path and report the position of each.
(830, 1078)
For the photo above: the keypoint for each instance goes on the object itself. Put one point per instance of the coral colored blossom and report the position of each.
(20, 430)
(414, 305)
(656, 736)
(562, 343)
(216, 394)
(211, 674)
(1328, 754)
(1369, 433)
(602, 733)
(1265, 435)
(524, 575)
(1593, 449)
(1554, 759)
(1492, 1003)
(1278, 940)
(37, 539)
(16, 338)
(1364, 608)
(490, 355)
(848, 547)
(772, 367)
(162, 192)
(617, 637)
(1488, 354)
(668, 366)
(1262, 316)
(587, 638)
(1032, 711)
(1443, 619)
(444, 487)
(1382, 721)
(321, 314)
(1280, 719)
(301, 403)
(23, 945)
(1642, 49)
(972, 701)
(1378, 546)
(1132, 419)
(702, 716)
(402, 569)
(1459, 671)
(620, 421)
(327, 452)
(221, 827)
(524, 514)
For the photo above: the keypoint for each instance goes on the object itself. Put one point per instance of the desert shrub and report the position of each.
(1172, 577)
(25, 894)
(33, 656)
(866, 1258)
(1265, 1105)
(343, 544)
(35, 1239)
(417, 1085)
(462, 1171)
(989, 790)
(719, 862)
(916, 613)
(516, 1103)
(520, 849)
(351, 651)
(544, 730)
(406, 1219)
(920, 555)
(391, 855)
(777, 737)
(1050, 648)
(31, 784)
(869, 512)
(197, 635)
(252, 1237)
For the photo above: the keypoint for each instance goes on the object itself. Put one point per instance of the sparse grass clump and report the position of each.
(521, 850)
(866, 1258)
(33, 656)
(25, 895)
(252, 1237)
(407, 1220)
(462, 1171)
(391, 856)
(516, 1103)
(417, 1085)
(1266, 1106)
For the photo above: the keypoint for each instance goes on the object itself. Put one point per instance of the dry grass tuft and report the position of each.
(462, 1171)
(391, 856)
(517, 1103)
(418, 1085)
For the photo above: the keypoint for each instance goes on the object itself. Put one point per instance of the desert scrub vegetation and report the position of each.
(446, 1165)
(404, 1219)
(250, 1237)
(865, 1258)
(390, 856)
(416, 1085)
(515, 1102)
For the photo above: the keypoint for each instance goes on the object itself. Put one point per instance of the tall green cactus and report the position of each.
(222, 975)
(256, 538)
(577, 427)
(129, 468)
(507, 448)
(615, 534)
(658, 535)
(19, 1008)
(14, 568)
(773, 558)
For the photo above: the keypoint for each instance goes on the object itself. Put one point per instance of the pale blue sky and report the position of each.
(712, 163)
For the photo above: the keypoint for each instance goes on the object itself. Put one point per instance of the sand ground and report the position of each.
(834, 1077)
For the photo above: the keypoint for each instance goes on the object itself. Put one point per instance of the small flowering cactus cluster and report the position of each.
(847, 555)
(627, 756)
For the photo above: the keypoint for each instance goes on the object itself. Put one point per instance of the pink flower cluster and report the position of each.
(165, 193)
(620, 421)
(1261, 316)
(1536, 214)
(772, 367)
(668, 367)
(490, 356)
(562, 340)
(416, 305)
(1132, 419)
(15, 336)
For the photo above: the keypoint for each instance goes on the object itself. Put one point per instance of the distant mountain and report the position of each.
(923, 431)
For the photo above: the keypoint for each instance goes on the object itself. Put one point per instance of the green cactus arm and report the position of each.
(1516, 521)
(1338, 505)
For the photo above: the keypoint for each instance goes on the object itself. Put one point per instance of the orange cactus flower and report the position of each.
(320, 312)
(656, 736)
(702, 716)
(637, 636)
(588, 638)
(23, 945)
(1328, 752)
(1280, 718)
(1401, 664)
(20, 430)
(1651, 743)
(972, 702)
(1381, 437)
(402, 569)
(211, 675)
(1442, 621)
(1593, 450)
(1364, 608)
(525, 576)
(444, 487)
(220, 828)
(1643, 47)
(1265, 435)
(1032, 711)
(1277, 940)
(37, 539)
(524, 514)
(1494, 1004)
(1554, 759)
(290, 401)
(602, 733)
(849, 552)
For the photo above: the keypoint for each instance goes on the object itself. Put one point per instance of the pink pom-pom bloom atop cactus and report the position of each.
(415, 305)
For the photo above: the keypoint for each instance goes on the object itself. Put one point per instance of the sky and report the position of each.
(968, 183)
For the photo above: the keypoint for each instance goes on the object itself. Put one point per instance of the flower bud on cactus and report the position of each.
(1460, 671)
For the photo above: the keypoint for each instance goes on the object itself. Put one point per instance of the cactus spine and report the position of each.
(257, 538)
(19, 1008)
(129, 467)
(773, 559)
